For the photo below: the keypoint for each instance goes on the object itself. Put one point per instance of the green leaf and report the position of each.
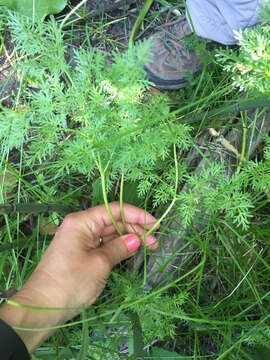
(162, 354)
(130, 194)
(97, 193)
(35, 9)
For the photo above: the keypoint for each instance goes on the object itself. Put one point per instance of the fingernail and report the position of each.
(132, 242)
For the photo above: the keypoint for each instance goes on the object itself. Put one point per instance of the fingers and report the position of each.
(132, 215)
(109, 233)
(110, 230)
(120, 248)
(150, 241)
(88, 225)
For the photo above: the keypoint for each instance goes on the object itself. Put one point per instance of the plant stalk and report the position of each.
(105, 198)
(121, 204)
(29, 208)
(244, 145)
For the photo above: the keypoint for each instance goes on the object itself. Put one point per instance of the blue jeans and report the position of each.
(218, 19)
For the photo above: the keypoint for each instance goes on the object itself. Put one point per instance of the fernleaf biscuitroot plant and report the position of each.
(250, 66)
(93, 116)
(102, 109)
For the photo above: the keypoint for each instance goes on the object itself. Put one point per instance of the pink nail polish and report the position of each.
(132, 242)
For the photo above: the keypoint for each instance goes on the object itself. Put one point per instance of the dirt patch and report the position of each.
(118, 19)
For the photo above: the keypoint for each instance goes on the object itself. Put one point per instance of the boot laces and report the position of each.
(175, 31)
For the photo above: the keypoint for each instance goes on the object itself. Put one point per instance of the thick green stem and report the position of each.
(35, 208)
(224, 110)
(176, 170)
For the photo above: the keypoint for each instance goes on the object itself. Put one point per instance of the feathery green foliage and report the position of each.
(89, 113)
(250, 67)
(157, 316)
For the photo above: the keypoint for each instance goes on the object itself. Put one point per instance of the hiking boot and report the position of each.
(170, 61)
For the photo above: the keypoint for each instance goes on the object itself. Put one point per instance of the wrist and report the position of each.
(33, 319)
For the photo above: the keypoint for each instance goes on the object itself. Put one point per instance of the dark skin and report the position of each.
(74, 269)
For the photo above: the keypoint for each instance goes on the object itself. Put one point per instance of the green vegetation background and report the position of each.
(85, 123)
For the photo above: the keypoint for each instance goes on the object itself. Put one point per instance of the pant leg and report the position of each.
(218, 19)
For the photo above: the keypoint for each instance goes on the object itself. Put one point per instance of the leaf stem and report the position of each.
(244, 144)
(105, 198)
(176, 170)
(121, 203)
(161, 218)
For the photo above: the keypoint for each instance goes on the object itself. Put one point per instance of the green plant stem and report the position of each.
(161, 218)
(121, 203)
(105, 198)
(243, 150)
(144, 298)
(176, 170)
(227, 351)
(139, 20)
(35, 208)
(224, 110)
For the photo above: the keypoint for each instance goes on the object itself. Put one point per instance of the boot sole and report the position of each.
(175, 84)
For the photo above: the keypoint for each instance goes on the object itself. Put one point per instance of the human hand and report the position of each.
(74, 268)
